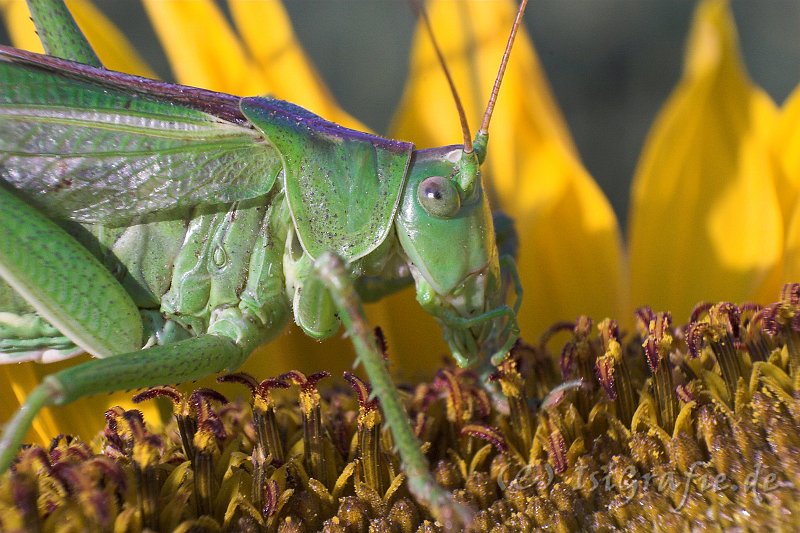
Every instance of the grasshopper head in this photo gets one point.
(444, 225)
(445, 228)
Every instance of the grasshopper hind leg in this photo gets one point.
(185, 360)
(69, 287)
(64, 282)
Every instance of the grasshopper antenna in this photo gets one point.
(483, 133)
(421, 12)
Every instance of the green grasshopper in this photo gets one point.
(169, 231)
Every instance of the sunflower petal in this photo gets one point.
(270, 40)
(202, 48)
(83, 417)
(705, 219)
(114, 50)
(791, 261)
(15, 384)
(786, 144)
(570, 251)
(18, 22)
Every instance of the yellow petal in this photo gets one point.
(83, 417)
(570, 252)
(202, 48)
(111, 46)
(791, 262)
(786, 144)
(270, 40)
(705, 221)
(15, 383)
(113, 49)
(18, 21)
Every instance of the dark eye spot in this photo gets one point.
(433, 192)
(439, 196)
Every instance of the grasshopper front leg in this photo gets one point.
(423, 486)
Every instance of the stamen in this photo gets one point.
(269, 443)
(578, 361)
(513, 387)
(613, 373)
(369, 436)
(313, 445)
(720, 329)
(489, 434)
(657, 347)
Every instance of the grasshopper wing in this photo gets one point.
(92, 145)
(343, 186)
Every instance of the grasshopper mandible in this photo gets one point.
(169, 231)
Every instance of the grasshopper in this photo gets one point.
(169, 231)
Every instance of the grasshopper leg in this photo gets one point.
(185, 360)
(73, 291)
(509, 265)
(64, 282)
(451, 513)
(59, 33)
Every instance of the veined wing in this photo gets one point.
(93, 145)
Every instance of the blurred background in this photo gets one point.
(611, 63)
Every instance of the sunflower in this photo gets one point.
(713, 214)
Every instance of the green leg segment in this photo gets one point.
(509, 265)
(64, 282)
(59, 33)
(423, 486)
(182, 361)
(68, 286)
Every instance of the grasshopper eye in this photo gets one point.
(439, 197)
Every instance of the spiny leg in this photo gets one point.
(186, 360)
(511, 331)
(69, 286)
(64, 282)
(420, 481)
(59, 33)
